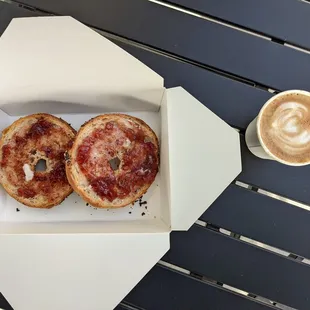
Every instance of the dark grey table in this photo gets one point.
(250, 249)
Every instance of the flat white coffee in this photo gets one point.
(284, 128)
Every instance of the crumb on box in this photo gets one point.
(139, 199)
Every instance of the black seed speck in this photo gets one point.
(129, 212)
(87, 204)
(67, 157)
(143, 214)
(145, 207)
(17, 210)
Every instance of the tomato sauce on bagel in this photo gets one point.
(39, 138)
(131, 145)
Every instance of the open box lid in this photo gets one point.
(60, 59)
(196, 133)
(94, 71)
(71, 266)
(75, 271)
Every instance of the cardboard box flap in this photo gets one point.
(84, 271)
(59, 59)
(204, 157)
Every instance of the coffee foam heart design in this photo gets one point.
(284, 127)
(290, 127)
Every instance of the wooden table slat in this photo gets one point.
(286, 20)
(194, 38)
(288, 181)
(262, 218)
(165, 289)
(219, 93)
(7, 12)
(247, 267)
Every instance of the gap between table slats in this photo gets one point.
(241, 265)
(262, 218)
(275, 65)
(283, 20)
(166, 288)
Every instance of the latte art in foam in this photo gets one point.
(288, 127)
(285, 128)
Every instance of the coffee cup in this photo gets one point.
(281, 131)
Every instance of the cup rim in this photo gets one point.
(269, 101)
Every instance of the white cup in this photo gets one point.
(253, 138)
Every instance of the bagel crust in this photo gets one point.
(23, 144)
(113, 161)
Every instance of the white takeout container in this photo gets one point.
(75, 256)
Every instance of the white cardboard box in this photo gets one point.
(75, 256)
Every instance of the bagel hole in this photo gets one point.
(41, 165)
(114, 163)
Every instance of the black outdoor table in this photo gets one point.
(250, 249)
